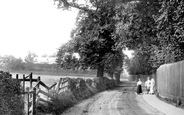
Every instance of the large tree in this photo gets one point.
(93, 36)
(136, 28)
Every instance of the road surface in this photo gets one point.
(120, 101)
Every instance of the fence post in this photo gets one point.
(26, 105)
(38, 80)
(17, 76)
(31, 80)
(23, 82)
(58, 85)
(34, 102)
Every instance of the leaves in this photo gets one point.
(11, 102)
(153, 28)
(170, 30)
(93, 36)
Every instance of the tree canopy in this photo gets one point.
(92, 38)
(152, 28)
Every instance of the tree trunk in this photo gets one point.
(111, 74)
(119, 67)
(100, 70)
(117, 77)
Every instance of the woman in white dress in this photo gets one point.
(148, 84)
(152, 86)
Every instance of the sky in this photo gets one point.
(33, 25)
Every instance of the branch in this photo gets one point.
(67, 4)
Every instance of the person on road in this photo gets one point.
(152, 86)
(148, 85)
(139, 86)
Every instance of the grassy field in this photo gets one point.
(50, 77)
(54, 72)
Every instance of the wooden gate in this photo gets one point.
(32, 94)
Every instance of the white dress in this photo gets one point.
(148, 84)
(152, 86)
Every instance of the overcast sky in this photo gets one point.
(33, 25)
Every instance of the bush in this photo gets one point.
(80, 89)
(58, 103)
(11, 102)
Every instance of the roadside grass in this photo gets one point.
(79, 90)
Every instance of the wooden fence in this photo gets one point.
(32, 94)
(170, 80)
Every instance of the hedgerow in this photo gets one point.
(11, 102)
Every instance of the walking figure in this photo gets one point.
(139, 86)
(148, 85)
(152, 86)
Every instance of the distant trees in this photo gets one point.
(12, 63)
(30, 59)
(139, 63)
(9, 62)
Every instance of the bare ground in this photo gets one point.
(120, 101)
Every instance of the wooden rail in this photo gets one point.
(63, 85)
(32, 94)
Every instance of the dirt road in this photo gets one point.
(120, 101)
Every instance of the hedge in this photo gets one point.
(11, 102)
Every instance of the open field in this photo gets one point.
(51, 79)
(54, 72)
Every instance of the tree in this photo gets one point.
(92, 38)
(136, 30)
(170, 29)
(30, 60)
(140, 63)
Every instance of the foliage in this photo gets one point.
(104, 27)
(140, 63)
(12, 63)
(11, 102)
(92, 38)
(66, 58)
(170, 28)
(136, 29)
(30, 60)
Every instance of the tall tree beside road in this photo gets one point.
(136, 28)
(92, 38)
(105, 27)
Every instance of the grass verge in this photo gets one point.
(79, 89)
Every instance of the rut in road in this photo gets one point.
(119, 101)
